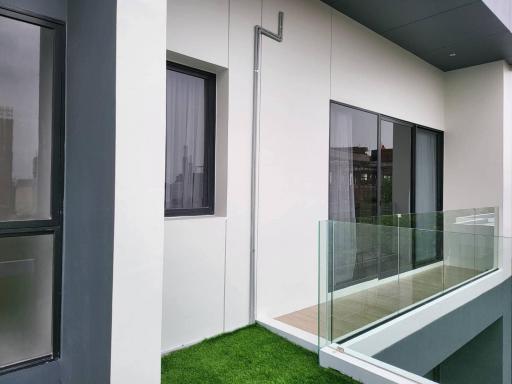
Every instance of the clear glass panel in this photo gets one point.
(362, 302)
(470, 248)
(354, 254)
(26, 100)
(415, 264)
(324, 299)
(26, 286)
(186, 173)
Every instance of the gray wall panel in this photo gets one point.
(55, 9)
(425, 349)
(89, 193)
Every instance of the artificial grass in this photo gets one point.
(249, 355)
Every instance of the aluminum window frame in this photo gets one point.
(414, 127)
(209, 141)
(412, 187)
(53, 225)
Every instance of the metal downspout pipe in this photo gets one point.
(258, 32)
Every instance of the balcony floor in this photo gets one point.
(355, 310)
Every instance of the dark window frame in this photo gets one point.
(53, 225)
(439, 170)
(209, 144)
(412, 187)
(439, 190)
(414, 127)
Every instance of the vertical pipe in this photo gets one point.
(254, 173)
(258, 32)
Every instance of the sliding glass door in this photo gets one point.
(381, 166)
(395, 187)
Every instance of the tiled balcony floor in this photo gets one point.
(356, 310)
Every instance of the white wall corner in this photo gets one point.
(474, 125)
(139, 191)
(199, 29)
(506, 214)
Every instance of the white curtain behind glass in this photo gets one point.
(26, 107)
(426, 171)
(341, 199)
(426, 195)
(185, 173)
(341, 195)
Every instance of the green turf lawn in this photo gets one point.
(249, 355)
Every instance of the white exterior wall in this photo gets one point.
(473, 140)
(324, 56)
(199, 266)
(244, 15)
(294, 145)
(139, 192)
(373, 73)
(199, 29)
(225, 236)
(506, 209)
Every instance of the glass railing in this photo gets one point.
(374, 269)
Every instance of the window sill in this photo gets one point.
(196, 217)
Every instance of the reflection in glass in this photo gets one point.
(186, 173)
(395, 168)
(426, 196)
(426, 171)
(472, 250)
(26, 282)
(352, 163)
(26, 80)
(395, 165)
(353, 160)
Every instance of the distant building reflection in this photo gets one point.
(17, 196)
(187, 189)
(362, 163)
(6, 155)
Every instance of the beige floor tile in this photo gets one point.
(359, 309)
